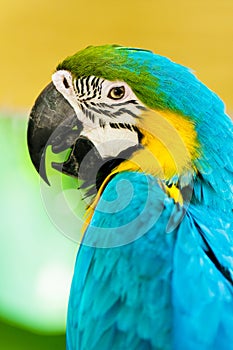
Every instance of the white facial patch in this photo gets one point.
(110, 142)
(98, 106)
(63, 81)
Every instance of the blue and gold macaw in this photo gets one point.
(153, 148)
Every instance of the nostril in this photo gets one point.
(65, 82)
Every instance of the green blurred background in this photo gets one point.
(36, 257)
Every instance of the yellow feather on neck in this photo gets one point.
(169, 146)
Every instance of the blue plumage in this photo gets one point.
(121, 302)
(202, 282)
(161, 291)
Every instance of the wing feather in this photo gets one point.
(139, 286)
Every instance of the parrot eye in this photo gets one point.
(117, 93)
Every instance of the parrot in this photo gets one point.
(152, 148)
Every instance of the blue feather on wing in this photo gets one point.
(160, 291)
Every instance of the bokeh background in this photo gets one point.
(36, 258)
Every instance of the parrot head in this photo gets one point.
(120, 109)
(90, 108)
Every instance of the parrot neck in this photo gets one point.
(170, 146)
(168, 152)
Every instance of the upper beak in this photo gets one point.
(52, 122)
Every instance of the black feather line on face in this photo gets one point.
(130, 127)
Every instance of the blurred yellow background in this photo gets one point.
(37, 34)
(36, 261)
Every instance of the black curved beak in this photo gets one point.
(52, 122)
